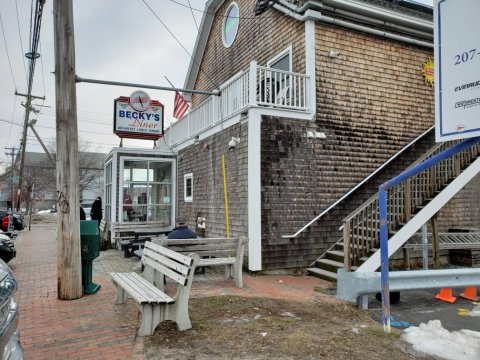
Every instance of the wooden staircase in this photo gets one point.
(361, 228)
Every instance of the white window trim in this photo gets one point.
(277, 57)
(185, 178)
(224, 22)
(119, 177)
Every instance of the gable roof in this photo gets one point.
(405, 14)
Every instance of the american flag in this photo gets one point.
(180, 107)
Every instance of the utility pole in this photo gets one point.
(69, 274)
(23, 144)
(31, 123)
(12, 153)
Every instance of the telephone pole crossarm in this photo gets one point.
(31, 96)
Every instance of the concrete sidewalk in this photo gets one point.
(93, 327)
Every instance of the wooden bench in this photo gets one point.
(103, 225)
(213, 252)
(147, 289)
(446, 241)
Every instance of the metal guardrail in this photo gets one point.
(351, 286)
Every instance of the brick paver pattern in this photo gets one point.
(93, 327)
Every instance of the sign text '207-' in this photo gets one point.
(465, 56)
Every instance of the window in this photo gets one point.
(146, 193)
(281, 79)
(282, 61)
(108, 191)
(230, 25)
(188, 187)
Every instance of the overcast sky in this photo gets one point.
(114, 40)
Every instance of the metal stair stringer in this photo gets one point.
(397, 240)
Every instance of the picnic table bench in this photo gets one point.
(213, 252)
(147, 289)
(125, 234)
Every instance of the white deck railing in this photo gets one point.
(256, 86)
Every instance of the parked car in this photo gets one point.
(6, 222)
(7, 248)
(18, 223)
(10, 221)
(10, 346)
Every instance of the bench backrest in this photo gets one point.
(159, 261)
(135, 225)
(206, 247)
(103, 225)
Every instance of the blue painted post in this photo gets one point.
(382, 204)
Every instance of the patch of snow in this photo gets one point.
(256, 317)
(288, 313)
(475, 311)
(355, 330)
(433, 339)
(43, 212)
(263, 334)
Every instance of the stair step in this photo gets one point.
(323, 274)
(330, 265)
(335, 255)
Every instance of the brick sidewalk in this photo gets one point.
(93, 327)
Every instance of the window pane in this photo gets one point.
(160, 172)
(189, 187)
(135, 171)
(161, 214)
(282, 63)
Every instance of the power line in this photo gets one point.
(43, 72)
(32, 55)
(257, 18)
(193, 15)
(179, 43)
(21, 42)
(84, 119)
(8, 56)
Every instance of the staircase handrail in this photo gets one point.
(361, 228)
(326, 211)
(375, 196)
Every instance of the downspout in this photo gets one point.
(317, 16)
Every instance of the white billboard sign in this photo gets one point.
(457, 69)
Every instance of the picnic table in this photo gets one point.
(141, 234)
(151, 232)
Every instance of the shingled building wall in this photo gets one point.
(371, 101)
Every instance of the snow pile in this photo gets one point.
(433, 339)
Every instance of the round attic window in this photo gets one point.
(230, 25)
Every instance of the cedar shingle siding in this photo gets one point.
(371, 101)
(258, 38)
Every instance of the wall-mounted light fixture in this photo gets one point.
(197, 140)
(232, 143)
(333, 54)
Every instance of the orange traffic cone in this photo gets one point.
(470, 293)
(445, 294)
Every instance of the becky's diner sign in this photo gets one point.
(138, 117)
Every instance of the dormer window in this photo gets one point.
(230, 25)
